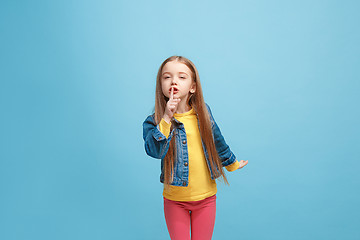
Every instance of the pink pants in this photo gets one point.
(199, 214)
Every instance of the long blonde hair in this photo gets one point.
(196, 100)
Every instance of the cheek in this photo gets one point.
(163, 88)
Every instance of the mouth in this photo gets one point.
(175, 90)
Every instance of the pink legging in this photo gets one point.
(199, 214)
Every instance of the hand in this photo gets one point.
(171, 106)
(242, 163)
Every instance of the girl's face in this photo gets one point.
(178, 76)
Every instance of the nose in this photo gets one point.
(173, 82)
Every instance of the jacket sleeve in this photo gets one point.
(226, 155)
(156, 143)
(232, 167)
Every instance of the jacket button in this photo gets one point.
(184, 183)
(184, 141)
(185, 163)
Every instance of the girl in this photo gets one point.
(184, 135)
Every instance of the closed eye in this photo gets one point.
(169, 77)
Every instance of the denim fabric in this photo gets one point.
(157, 145)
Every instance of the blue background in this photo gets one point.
(78, 80)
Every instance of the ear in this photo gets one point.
(193, 88)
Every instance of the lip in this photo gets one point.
(175, 89)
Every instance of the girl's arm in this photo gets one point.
(226, 155)
(156, 143)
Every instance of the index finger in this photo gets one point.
(172, 93)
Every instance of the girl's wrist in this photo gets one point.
(166, 118)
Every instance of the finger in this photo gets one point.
(174, 101)
(172, 94)
(244, 163)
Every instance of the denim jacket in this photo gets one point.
(157, 145)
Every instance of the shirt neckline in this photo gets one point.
(191, 111)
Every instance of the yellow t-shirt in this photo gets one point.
(200, 184)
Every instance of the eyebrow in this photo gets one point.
(179, 72)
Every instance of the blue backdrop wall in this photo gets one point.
(78, 80)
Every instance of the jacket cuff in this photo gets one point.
(230, 160)
(232, 167)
